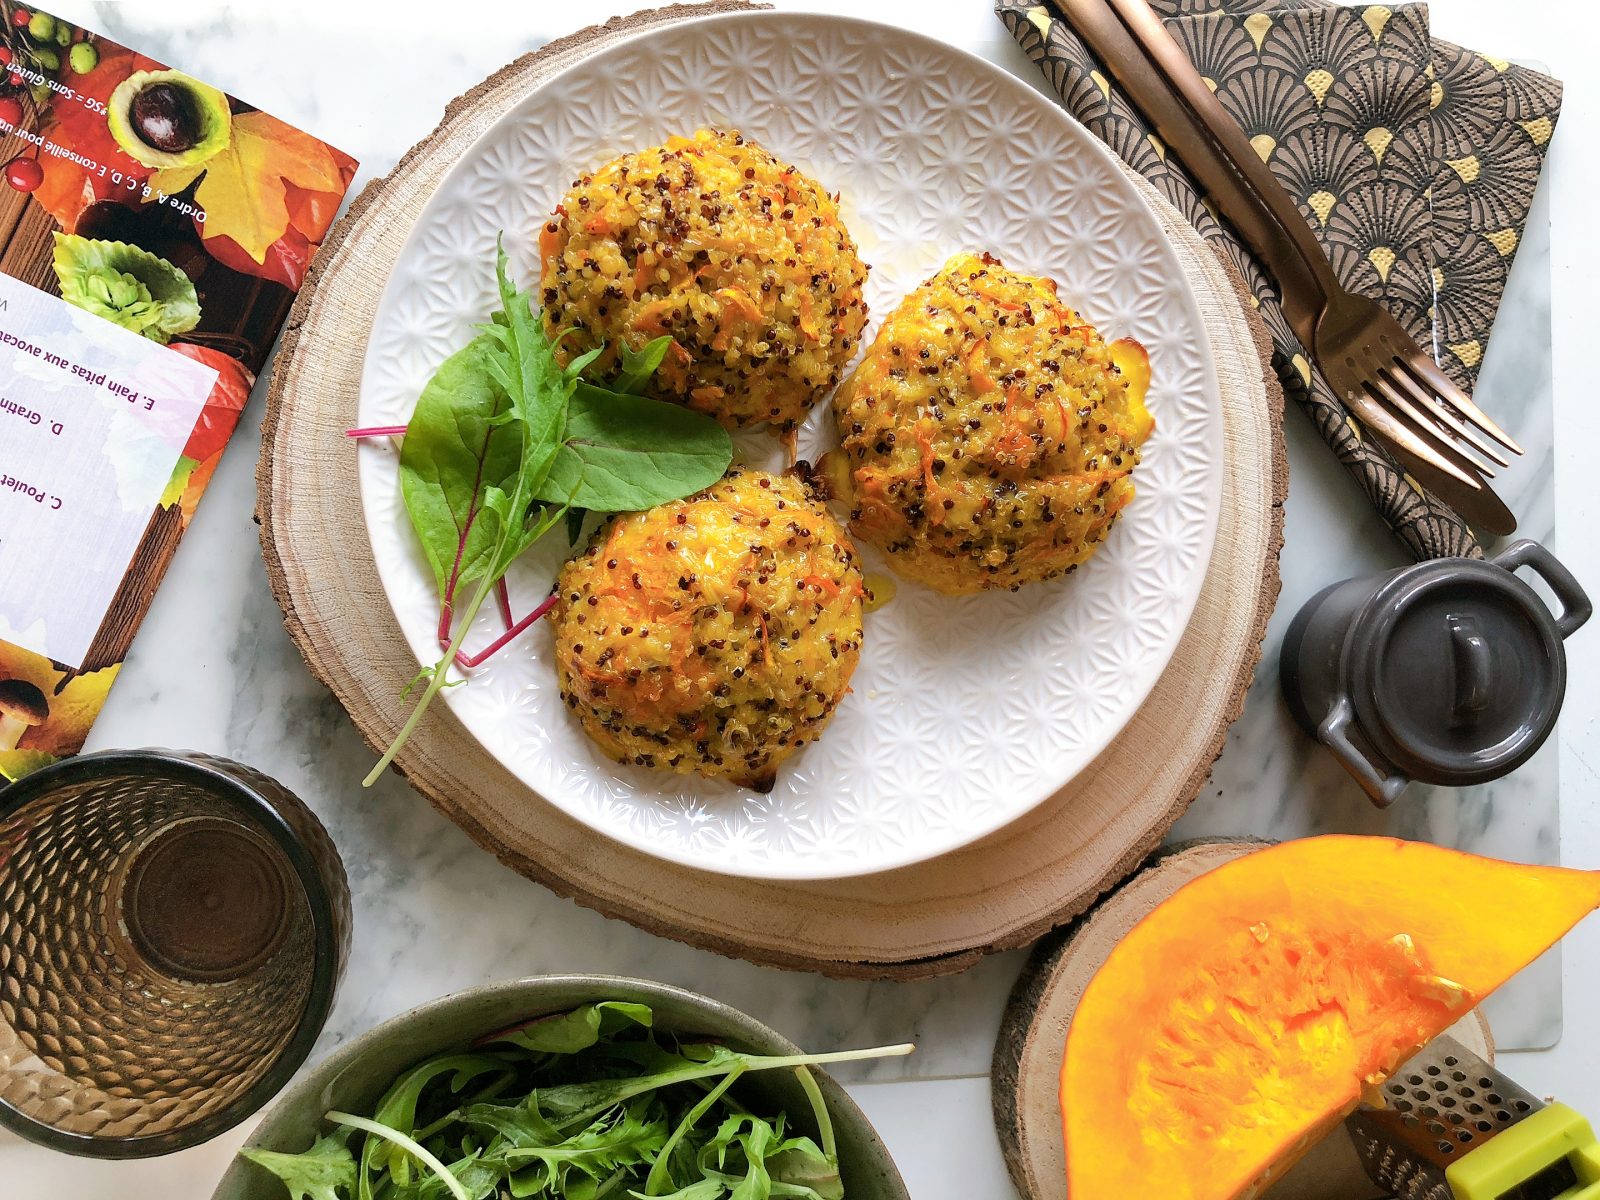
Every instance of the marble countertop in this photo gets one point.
(213, 669)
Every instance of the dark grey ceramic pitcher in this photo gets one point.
(1450, 671)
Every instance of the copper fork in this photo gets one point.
(1368, 359)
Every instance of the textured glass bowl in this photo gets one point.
(172, 929)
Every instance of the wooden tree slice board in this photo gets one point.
(1027, 1056)
(922, 921)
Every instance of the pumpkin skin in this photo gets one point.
(1243, 1018)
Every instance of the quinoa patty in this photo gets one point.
(989, 434)
(713, 635)
(735, 254)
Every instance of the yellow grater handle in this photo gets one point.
(1533, 1146)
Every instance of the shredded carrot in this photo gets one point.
(997, 301)
(643, 275)
(737, 306)
(549, 241)
(740, 300)
(808, 317)
(707, 395)
(979, 375)
(822, 583)
(649, 319)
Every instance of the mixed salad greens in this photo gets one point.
(582, 1105)
(506, 442)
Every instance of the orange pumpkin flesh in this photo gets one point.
(1243, 1018)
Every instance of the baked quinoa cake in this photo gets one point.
(735, 254)
(713, 635)
(989, 434)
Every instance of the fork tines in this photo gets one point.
(1438, 409)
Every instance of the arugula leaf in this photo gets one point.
(520, 1126)
(327, 1171)
(628, 1137)
(659, 1173)
(627, 453)
(398, 1108)
(701, 1189)
(477, 1174)
(538, 388)
(603, 1109)
(639, 365)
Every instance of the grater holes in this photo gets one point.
(1402, 1106)
(1416, 1081)
(1459, 1076)
(1411, 1121)
(1435, 1127)
(1522, 1106)
(1447, 1101)
(1440, 1085)
(1474, 1107)
(1502, 1115)
(1432, 1069)
(1483, 1126)
(1492, 1098)
(1397, 1089)
(1445, 1147)
(1486, 1083)
(1450, 1060)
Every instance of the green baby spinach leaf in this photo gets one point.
(626, 453)
(568, 1033)
(454, 450)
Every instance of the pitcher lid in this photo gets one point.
(1457, 671)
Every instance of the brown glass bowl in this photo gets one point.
(172, 930)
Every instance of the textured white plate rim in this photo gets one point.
(776, 865)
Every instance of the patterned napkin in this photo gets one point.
(1414, 160)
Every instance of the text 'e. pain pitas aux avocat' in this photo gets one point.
(1243, 1018)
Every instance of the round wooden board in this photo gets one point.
(925, 920)
(1027, 1056)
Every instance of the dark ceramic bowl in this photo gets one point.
(172, 930)
(355, 1078)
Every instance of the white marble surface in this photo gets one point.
(213, 669)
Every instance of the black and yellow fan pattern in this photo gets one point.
(1413, 159)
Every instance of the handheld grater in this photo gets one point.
(1451, 1127)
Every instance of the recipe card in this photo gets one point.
(153, 234)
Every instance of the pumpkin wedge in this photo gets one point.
(1243, 1018)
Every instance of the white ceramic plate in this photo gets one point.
(967, 712)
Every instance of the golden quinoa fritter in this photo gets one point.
(989, 433)
(734, 253)
(713, 635)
